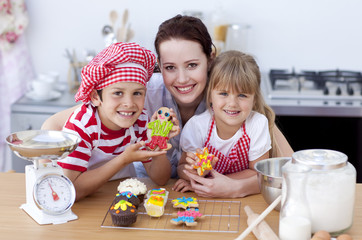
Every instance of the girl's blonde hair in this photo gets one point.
(239, 72)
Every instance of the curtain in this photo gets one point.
(15, 67)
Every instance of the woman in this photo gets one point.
(184, 50)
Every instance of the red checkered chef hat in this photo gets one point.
(120, 62)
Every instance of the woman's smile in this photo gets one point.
(185, 89)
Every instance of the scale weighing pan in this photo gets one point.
(42, 144)
(49, 194)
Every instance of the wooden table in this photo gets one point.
(16, 224)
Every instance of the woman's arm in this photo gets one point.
(282, 147)
(57, 121)
(159, 169)
(183, 165)
(183, 183)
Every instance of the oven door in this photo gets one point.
(342, 134)
(322, 122)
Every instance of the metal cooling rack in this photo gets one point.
(220, 216)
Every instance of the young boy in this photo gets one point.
(112, 122)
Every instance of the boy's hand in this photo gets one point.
(133, 153)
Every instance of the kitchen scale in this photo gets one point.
(49, 194)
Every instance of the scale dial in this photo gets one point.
(54, 194)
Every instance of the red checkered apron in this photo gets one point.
(238, 158)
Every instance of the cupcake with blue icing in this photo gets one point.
(128, 196)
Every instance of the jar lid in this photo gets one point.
(320, 159)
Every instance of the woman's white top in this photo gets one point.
(158, 96)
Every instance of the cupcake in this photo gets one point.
(158, 192)
(128, 196)
(155, 206)
(156, 201)
(123, 213)
(133, 185)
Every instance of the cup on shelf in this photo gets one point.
(54, 76)
(42, 88)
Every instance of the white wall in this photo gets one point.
(305, 34)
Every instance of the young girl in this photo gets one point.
(236, 126)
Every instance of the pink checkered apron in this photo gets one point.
(237, 160)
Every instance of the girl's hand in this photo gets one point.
(182, 185)
(133, 153)
(191, 159)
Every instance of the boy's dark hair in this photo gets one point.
(99, 92)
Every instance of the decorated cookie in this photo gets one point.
(188, 217)
(185, 203)
(161, 127)
(204, 163)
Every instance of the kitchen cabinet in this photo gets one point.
(28, 114)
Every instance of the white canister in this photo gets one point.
(330, 189)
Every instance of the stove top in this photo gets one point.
(336, 84)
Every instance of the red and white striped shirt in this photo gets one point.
(98, 140)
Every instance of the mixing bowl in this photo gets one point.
(270, 178)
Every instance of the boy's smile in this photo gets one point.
(121, 104)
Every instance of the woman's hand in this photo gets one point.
(182, 185)
(217, 185)
(176, 125)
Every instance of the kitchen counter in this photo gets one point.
(313, 108)
(16, 224)
(25, 104)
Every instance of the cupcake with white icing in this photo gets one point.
(133, 185)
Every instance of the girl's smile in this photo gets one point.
(231, 109)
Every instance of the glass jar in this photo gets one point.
(294, 218)
(330, 189)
